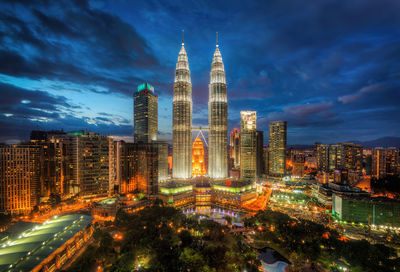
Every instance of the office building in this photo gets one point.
(353, 157)
(259, 153)
(162, 149)
(88, 164)
(137, 168)
(234, 147)
(321, 152)
(385, 161)
(248, 145)
(277, 148)
(145, 116)
(217, 120)
(20, 178)
(366, 210)
(182, 119)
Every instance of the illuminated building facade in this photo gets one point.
(259, 153)
(182, 119)
(88, 163)
(335, 157)
(277, 148)
(366, 210)
(145, 115)
(198, 163)
(162, 149)
(322, 156)
(217, 120)
(137, 168)
(385, 162)
(234, 147)
(203, 196)
(248, 145)
(20, 178)
(352, 155)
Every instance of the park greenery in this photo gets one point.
(306, 243)
(161, 238)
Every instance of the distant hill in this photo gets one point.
(381, 142)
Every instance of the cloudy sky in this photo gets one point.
(330, 68)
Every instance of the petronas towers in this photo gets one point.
(217, 119)
(182, 119)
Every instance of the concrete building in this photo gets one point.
(259, 154)
(47, 246)
(277, 148)
(20, 178)
(234, 147)
(321, 152)
(137, 169)
(385, 161)
(162, 149)
(217, 119)
(379, 211)
(145, 117)
(182, 119)
(88, 164)
(248, 145)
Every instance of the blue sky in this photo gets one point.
(330, 68)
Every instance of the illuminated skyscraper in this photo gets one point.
(20, 178)
(277, 148)
(217, 119)
(145, 116)
(385, 162)
(259, 153)
(182, 119)
(234, 147)
(248, 145)
(198, 163)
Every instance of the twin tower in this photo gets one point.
(217, 119)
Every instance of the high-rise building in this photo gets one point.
(266, 160)
(259, 153)
(146, 168)
(217, 120)
(248, 145)
(321, 152)
(182, 119)
(162, 147)
(137, 168)
(385, 162)
(198, 162)
(336, 157)
(234, 147)
(145, 115)
(352, 157)
(88, 163)
(277, 148)
(20, 178)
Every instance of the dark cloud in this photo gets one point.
(330, 68)
(73, 43)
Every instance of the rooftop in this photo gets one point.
(32, 246)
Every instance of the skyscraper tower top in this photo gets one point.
(182, 73)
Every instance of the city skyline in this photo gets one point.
(334, 78)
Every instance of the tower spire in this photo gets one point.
(183, 36)
(217, 38)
